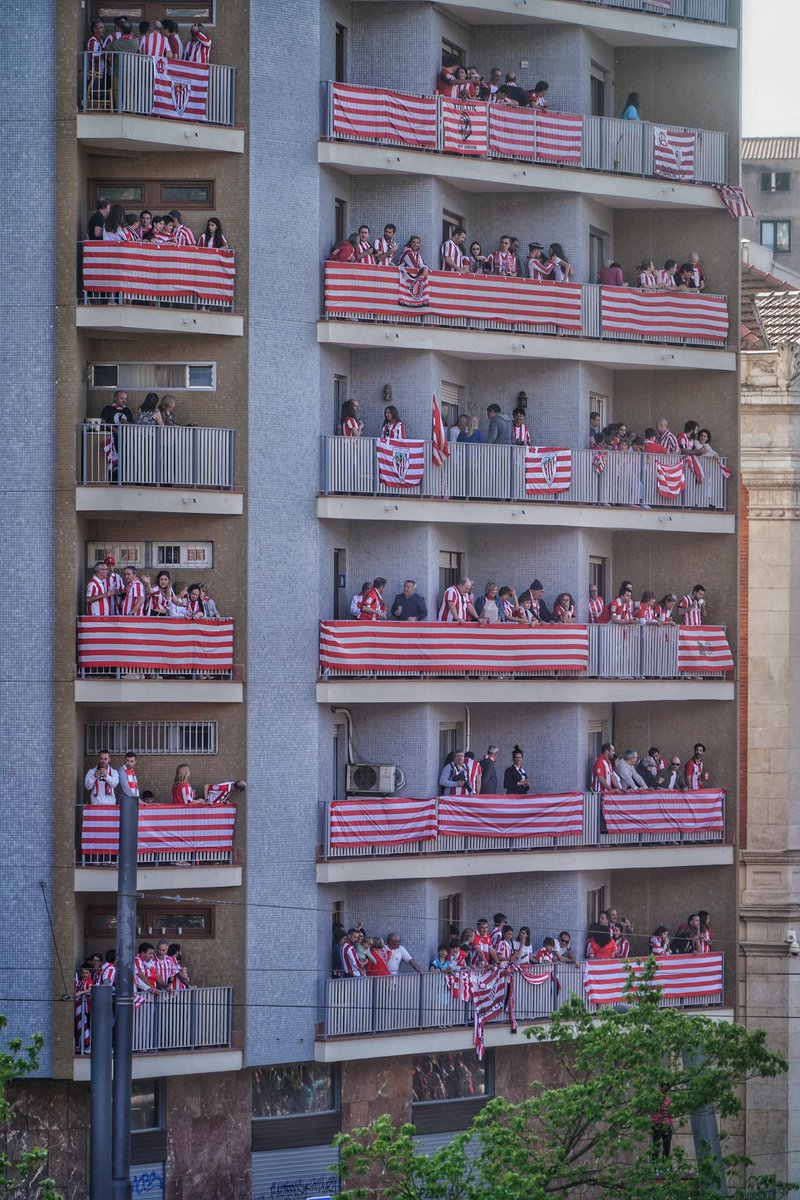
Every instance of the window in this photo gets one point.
(153, 377)
(147, 1105)
(341, 604)
(449, 569)
(595, 904)
(296, 1090)
(185, 12)
(599, 403)
(126, 556)
(597, 574)
(156, 194)
(449, 399)
(451, 738)
(450, 48)
(190, 195)
(193, 556)
(597, 252)
(596, 740)
(598, 91)
(777, 236)
(340, 218)
(776, 181)
(449, 916)
(341, 58)
(449, 222)
(154, 921)
(336, 913)
(457, 1076)
(150, 737)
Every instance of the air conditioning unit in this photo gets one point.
(379, 779)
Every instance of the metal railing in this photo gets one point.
(395, 1003)
(607, 144)
(127, 283)
(191, 1019)
(154, 455)
(715, 12)
(592, 835)
(186, 857)
(154, 648)
(476, 471)
(112, 82)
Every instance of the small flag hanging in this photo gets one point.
(441, 448)
(671, 479)
(735, 201)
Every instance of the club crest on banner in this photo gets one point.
(180, 96)
(549, 467)
(465, 125)
(400, 461)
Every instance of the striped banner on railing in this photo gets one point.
(664, 812)
(510, 816)
(657, 315)
(559, 137)
(370, 114)
(438, 648)
(465, 127)
(673, 153)
(158, 271)
(180, 89)
(155, 644)
(679, 976)
(704, 648)
(380, 821)
(162, 827)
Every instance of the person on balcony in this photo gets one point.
(344, 249)
(384, 248)
(632, 107)
(408, 605)
(483, 952)
(666, 276)
(210, 610)
(495, 80)
(648, 277)
(622, 944)
(563, 949)
(611, 276)
(537, 267)
(659, 941)
(597, 606)
(515, 777)
(95, 49)
(358, 600)
(648, 769)
(665, 609)
(115, 224)
(144, 971)
(180, 981)
(671, 778)
(364, 251)
(460, 776)
(600, 943)
(182, 791)
(128, 783)
(478, 261)
(351, 425)
(134, 596)
(562, 268)
(564, 609)
(687, 440)
(697, 777)
(167, 409)
(646, 608)
(100, 599)
(501, 430)
(537, 97)
(161, 599)
(116, 584)
(181, 234)
(97, 220)
(413, 275)
(149, 412)
(172, 34)
(165, 967)
(472, 432)
(503, 261)
(453, 256)
(629, 778)
(397, 955)
(108, 971)
(223, 793)
(540, 610)
(446, 79)
(456, 607)
(604, 777)
(102, 781)
(523, 613)
(488, 766)
(692, 607)
(620, 610)
(153, 41)
(488, 607)
(393, 428)
(698, 275)
(520, 434)
(198, 48)
(124, 40)
(212, 236)
(373, 606)
(376, 963)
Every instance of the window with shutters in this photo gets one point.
(452, 50)
(150, 737)
(194, 556)
(449, 399)
(130, 554)
(153, 377)
(449, 569)
(600, 404)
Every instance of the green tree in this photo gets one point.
(590, 1136)
(22, 1177)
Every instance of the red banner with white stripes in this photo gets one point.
(657, 315)
(359, 289)
(559, 137)
(441, 649)
(681, 976)
(703, 648)
(466, 127)
(673, 153)
(150, 270)
(512, 131)
(664, 812)
(511, 817)
(401, 463)
(381, 822)
(180, 89)
(155, 644)
(670, 479)
(548, 470)
(162, 827)
(369, 114)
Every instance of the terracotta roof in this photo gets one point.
(756, 149)
(770, 310)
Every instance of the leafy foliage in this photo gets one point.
(22, 1177)
(592, 1135)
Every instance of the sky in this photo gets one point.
(770, 43)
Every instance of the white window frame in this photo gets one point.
(188, 387)
(97, 551)
(185, 564)
(148, 738)
(147, 555)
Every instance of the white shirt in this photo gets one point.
(452, 433)
(395, 958)
(104, 794)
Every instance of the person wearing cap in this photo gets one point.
(538, 607)
(537, 267)
(181, 234)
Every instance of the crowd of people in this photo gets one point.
(630, 773)
(107, 785)
(157, 970)
(689, 276)
(155, 39)
(111, 594)
(693, 442)
(152, 411)
(466, 83)
(111, 223)
(358, 955)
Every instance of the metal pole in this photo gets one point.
(100, 1093)
(123, 1027)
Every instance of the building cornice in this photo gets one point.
(766, 950)
(783, 857)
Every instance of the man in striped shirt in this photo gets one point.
(152, 41)
(133, 603)
(385, 248)
(666, 437)
(692, 606)
(181, 234)
(350, 964)
(373, 606)
(99, 597)
(455, 607)
(695, 772)
(165, 968)
(453, 256)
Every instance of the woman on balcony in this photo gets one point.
(413, 275)
(161, 600)
(646, 609)
(149, 413)
(665, 608)
(478, 260)
(212, 236)
(648, 276)
(515, 779)
(562, 268)
(537, 267)
(393, 428)
(351, 425)
(182, 790)
(520, 435)
(631, 110)
(115, 225)
(564, 609)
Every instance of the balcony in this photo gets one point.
(171, 468)
(143, 287)
(601, 488)
(634, 164)
(177, 846)
(156, 660)
(377, 838)
(126, 103)
(425, 1005)
(393, 662)
(486, 316)
(167, 1026)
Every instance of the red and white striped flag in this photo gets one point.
(401, 463)
(370, 114)
(670, 479)
(381, 822)
(488, 1001)
(440, 450)
(161, 272)
(656, 315)
(559, 137)
(466, 127)
(511, 131)
(735, 201)
(509, 817)
(162, 827)
(681, 976)
(703, 648)
(180, 89)
(547, 470)
(147, 644)
(664, 812)
(697, 466)
(599, 460)
(725, 471)
(673, 153)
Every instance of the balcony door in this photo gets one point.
(450, 569)
(449, 398)
(595, 742)
(341, 605)
(598, 574)
(449, 916)
(598, 91)
(598, 250)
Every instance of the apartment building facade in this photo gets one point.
(771, 176)
(256, 494)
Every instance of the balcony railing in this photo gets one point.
(369, 827)
(608, 144)
(149, 273)
(169, 835)
(160, 647)
(392, 1004)
(437, 650)
(361, 292)
(192, 1019)
(125, 83)
(476, 471)
(156, 455)
(714, 12)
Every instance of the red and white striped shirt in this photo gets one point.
(596, 607)
(538, 270)
(133, 592)
(95, 48)
(648, 279)
(452, 250)
(198, 50)
(519, 434)
(393, 431)
(503, 262)
(350, 427)
(146, 969)
(158, 604)
(108, 974)
(154, 44)
(382, 246)
(603, 774)
(665, 279)
(504, 949)
(182, 793)
(646, 612)
(473, 769)
(219, 793)
(669, 442)
(98, 603)
(623, 948)
(621, 609)
(161, 238)
(165, 969)
(350, 961)
(692, 611)
(183, 236)
(560, 613)
(372, 606)
(663, 614)
(685, 442)
(453, 596)
(364, 253)
(696, 775)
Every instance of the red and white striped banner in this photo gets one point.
(547, 470)
(180, 89)
(664, 812)
(488, 1000)
(673, 153)
(372, 290)
(381, 822)
(369, 114)
(559, 137)
(401, 463)
(670, 479)
(681, 976)
(703, 648)
(466, 127)
(512, 131)
(437, 648)
(657, 315)
(735, 201)
(162, 827)
(155, 643)
(150, 270)
(511, 817)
